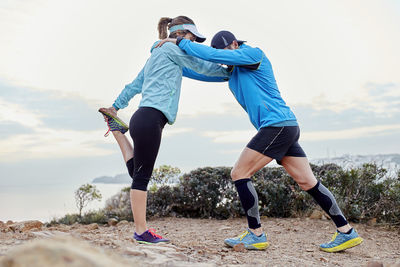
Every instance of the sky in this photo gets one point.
(337, 64)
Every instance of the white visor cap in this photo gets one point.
(189, 27)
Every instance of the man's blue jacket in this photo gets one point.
(252, 82)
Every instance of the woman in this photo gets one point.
(159, 83)
(253, 84)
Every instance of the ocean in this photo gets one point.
(45, 202)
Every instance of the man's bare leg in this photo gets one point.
(249, 162)
(299, 169)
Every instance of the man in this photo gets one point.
(253, 84)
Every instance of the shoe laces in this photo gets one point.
(242, 235)
(334, 236)
(109, 129)
(152, 232)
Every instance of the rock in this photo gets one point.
(3, 227)
(134, 252)
(61, 252)
(75, 225)
(47, 234)
(239, 247)
(63, 228)
(371, 222)
(224, 228)
(323, 259)
(123, 222)
(316, 214)
(26, 226)
(112, 222)
(224, 250)
(374, 264)
(9, 222)
(92, 226)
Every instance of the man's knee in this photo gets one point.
(306, 184)
(140, 183)
(236, 174)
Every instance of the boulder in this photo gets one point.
(112, 222)
(123, 222)
(60, 252)
(371, 222)
(92, 226)
(239, 247)
(25, 226)
(4, 227)
(374, 264)
(316, 214)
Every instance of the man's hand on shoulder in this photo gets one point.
(171, 40)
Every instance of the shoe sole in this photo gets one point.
(346, 245)
(150, 243)
(118, 120)
(256, 246)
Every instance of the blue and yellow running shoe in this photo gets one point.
(114, 123)
(341, 241)
(249, 240)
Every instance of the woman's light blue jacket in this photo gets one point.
(160, 80)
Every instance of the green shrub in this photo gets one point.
(119, 206)
(98, 216)
(362, 193)
(202, 193)
(67, 219)
(93, 216)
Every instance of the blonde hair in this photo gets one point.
(166, 23)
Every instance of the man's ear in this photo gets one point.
(235, 44)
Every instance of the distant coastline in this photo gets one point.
(389, 161)
(117, 179)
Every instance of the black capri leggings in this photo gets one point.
(145, 128)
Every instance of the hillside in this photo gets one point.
(195, 242)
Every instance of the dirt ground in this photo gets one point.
(293, 242)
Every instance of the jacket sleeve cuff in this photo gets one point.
(178, 40)
(116, 108)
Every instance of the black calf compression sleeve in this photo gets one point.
(327, 201)
(249, 199)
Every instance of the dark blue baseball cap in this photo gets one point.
(223, 39)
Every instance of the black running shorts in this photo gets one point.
(277, 142)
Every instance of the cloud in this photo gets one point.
(230, 136)
(374, 98)
(50, 144)
(354, 133)
(175, 131)
(11, 128)
(47, 124)
(47, 108)
(18, 114)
